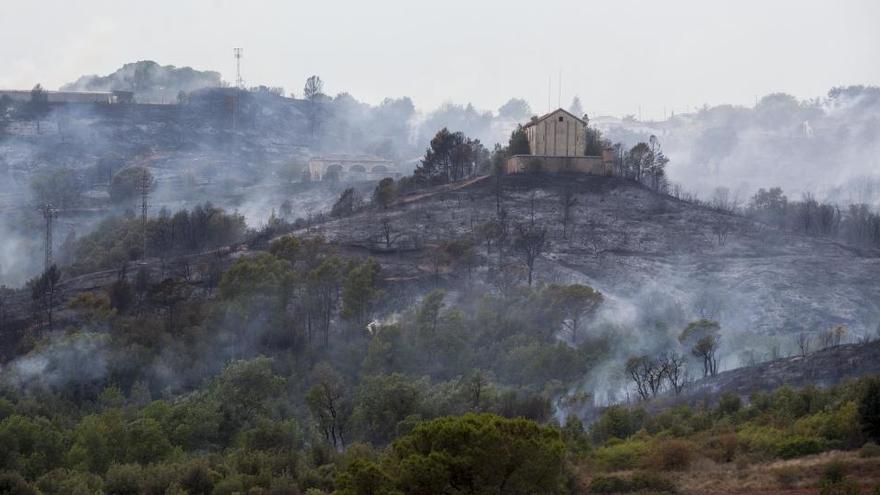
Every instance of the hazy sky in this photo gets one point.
(617, 55)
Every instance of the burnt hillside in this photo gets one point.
(657, 259)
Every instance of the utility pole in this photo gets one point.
(49, 213)
(237, 53)
(144, 186)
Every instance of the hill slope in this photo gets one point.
(658, 260)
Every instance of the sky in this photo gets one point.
(620, 57)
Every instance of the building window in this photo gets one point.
(560, 119)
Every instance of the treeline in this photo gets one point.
(856, 224)
(119, 240)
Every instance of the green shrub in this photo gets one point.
(621, 456)
(799, 447)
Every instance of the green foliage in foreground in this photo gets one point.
(785, 424)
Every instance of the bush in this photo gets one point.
(799, 447)
(619, 456)
(722, 448)
(671, 454)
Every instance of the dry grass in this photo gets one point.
(792, 477)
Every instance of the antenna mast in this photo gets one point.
(237, 53)
(49, 213)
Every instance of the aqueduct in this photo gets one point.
(351, 167)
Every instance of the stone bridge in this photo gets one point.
(352, 167)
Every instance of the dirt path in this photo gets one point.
(441, 189)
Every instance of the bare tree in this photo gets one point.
(636, 367)
(647, 374)
(567, 201)
(803, 341)
(387, 231)
(721, 227)
(530, 242)
(674, 368)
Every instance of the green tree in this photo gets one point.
(703, 337)
(384, 193)
(286, 248)
(518, 144)
(360, 292)
(869, 410)
(481, 454)
(61, 188)
(364, 477)
(573, 303)
(347, 203)
(383, 402)
(330, 405)
(244, 388)
(38, 106)
(263, 275)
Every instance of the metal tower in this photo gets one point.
(49, 213)
(238, 53)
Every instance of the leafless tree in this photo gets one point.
(530, 242)
(567, 201)
(636, 369)
(721, 227)
(647, 374)
(387, 231)
(674, 368)
(803, 341)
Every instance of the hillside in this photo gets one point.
(658, 260)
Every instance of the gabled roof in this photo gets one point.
(533, 122)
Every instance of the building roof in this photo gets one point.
(548, 114)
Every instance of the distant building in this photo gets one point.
(557, 143)
(108, 97)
